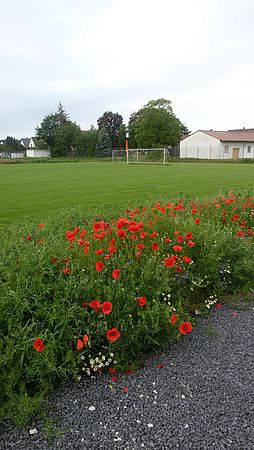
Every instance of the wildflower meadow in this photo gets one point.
(83, 296)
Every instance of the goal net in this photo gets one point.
(141, 156)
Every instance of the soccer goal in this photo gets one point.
(141, 156)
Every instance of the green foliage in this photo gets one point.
(67, 140)
(60, 134)
(11, 145)
(111, 124)
(155, 125)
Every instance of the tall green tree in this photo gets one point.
(62, 136)
(13, 145)
(155, 125)
(104, 145)
(66, 140)
(111, 123)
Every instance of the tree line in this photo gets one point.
(153, 126)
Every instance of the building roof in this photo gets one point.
(244, 135)
(25, 141)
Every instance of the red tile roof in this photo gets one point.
(231, 135)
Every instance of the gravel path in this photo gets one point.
(197, 395)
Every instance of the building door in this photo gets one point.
(236, 152)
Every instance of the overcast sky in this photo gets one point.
(116, 55)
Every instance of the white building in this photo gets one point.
(209, 144)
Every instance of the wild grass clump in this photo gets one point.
(86, 295)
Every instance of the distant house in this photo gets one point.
(209, 144)
(35, 148)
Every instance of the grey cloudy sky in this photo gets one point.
(116, 55)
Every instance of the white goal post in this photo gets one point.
(140, 156)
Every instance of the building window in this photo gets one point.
(249, 149)
(226, 149)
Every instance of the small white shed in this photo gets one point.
(209, 144)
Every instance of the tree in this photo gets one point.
(13, 145)
(63, 116)
(66, 140)
(46, 131)
(51, 122)
(104, 145)
(155, 125)
(111, 123)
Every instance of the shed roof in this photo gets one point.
(232, 135)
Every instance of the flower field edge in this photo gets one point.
(85, 295)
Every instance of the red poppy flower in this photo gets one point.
(173, 319)
(99, 252)
(169, 262)
(179, 269)
(106, 307)
(141, 246)
(99, 265)
(143, 234)
(116, 274)
(53, 260)
(67, 271)
(38, 345)
(112, 249)
(218, 305)
(168, 240)
(121, 234)
(125, 389)
(240, 233)
(177, 248)
(111, 370)
(134, 237)
(155, 246)
(113, 334)
(197, 221)
(95, 304)
(82, 234)
(41, 225)
(141, 301)
(28, 237)
(187, 259)
(114, 378)
(130, 372)
(153, 235)
(80, 345)
(188, 236)
(191, 244)
(133, 228)
(179, 239)
(160, 366)
(85, 339)
(185, 327)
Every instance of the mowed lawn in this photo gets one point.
(38, 189)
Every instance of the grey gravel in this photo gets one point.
(203, 397)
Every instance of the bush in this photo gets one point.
(84, 295)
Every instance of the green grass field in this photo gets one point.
(34, 190)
